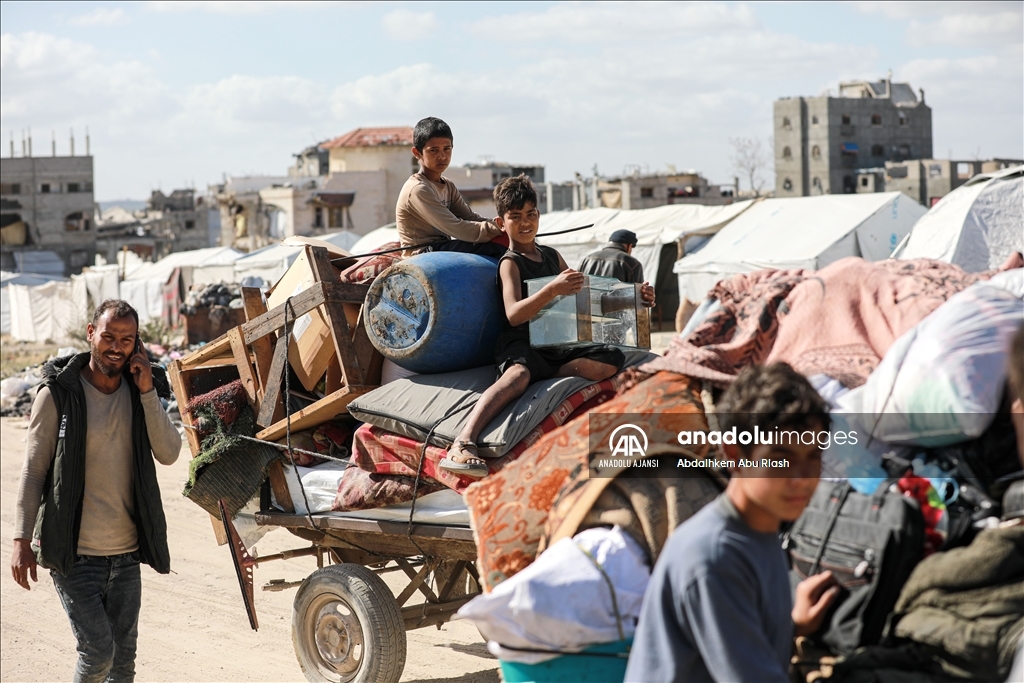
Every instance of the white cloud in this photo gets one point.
(403, 24)
(235, 7)
(915, 9)
(101, 16)
(969, 30)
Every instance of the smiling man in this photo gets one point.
(431, 214)
(718, 606)
(89, 505)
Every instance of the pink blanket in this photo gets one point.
(838, 321)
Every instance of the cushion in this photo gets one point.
(411, 406)
(382, 452)
(368, 268)
(361, 490)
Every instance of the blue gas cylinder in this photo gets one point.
(436, 312)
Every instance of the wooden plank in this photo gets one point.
(174, 372)
(262, 348)
(385, 546)
(279, 485)
(272, 397)
(336, 319)
(244, 363)
(427, 614)
(220, 346)
(370, 359)
(302, 303)
(330, 406)
(272, 320)
(342, 521)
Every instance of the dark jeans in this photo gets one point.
(102, 596)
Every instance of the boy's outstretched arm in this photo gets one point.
(519, 310)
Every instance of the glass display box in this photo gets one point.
(605, 311)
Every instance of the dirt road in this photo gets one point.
(193, 625)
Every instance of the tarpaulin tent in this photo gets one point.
(654, 228)
(802, 232)
(45, 311)
(95, 285)
(375, 238)
(976, 226)
(143, 288)
(271, 262)
(25, 279)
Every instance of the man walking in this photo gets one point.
(89, 505)
(614, 260)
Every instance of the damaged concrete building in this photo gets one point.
(175, 222)
(46, 212)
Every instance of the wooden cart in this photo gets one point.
(347, 625)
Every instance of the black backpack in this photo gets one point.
(870, 544)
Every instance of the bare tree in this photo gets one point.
(750, 160)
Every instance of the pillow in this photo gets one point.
(411, 406)
(361, 490)
(368, 268)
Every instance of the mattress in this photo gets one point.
(320, 484)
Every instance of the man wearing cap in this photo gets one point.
(614, 259)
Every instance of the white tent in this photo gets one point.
(653, 227)
(25, 279)
(375, 238)
(143, 287)
(45, 311)
(803, 232)
(271, 262)
(976, 226)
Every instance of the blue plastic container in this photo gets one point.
(605, 663)
(436, 312)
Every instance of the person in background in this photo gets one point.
(89, 505)
(718, 606)
(615, 259)
(519, 364)
(431, 214)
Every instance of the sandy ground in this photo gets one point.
(193, 625)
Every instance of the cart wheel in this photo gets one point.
(346, 627)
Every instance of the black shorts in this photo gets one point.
(545, 362)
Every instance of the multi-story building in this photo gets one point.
(822, 142)
(46, 213)
(476, 183)
(926, 180)
(169, 223)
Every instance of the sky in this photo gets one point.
(180, 94)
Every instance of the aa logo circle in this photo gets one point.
(628, 441)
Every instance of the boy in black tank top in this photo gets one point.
(518, 363)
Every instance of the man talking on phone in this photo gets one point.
(89, 505)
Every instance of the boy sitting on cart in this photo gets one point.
(519, 364)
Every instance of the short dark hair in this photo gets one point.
(430, 127)
(118, 308)
(1016, 366)
(514, 193)
(771, 397)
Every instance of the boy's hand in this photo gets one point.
(814, 595)
(647, 294)
(142, 371)
(567, 282)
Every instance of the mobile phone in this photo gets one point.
(138, 344)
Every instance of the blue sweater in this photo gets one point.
(717, 607)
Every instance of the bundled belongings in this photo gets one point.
(769, 316)
(547, 494)
(583, 591)
(960, 616)
(869, 543)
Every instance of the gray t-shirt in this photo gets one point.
(717, 607)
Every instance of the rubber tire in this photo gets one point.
(374, 606)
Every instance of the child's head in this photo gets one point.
(432, 143)
(516, 201)
(779, 401)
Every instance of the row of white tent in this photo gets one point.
(977, 226)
